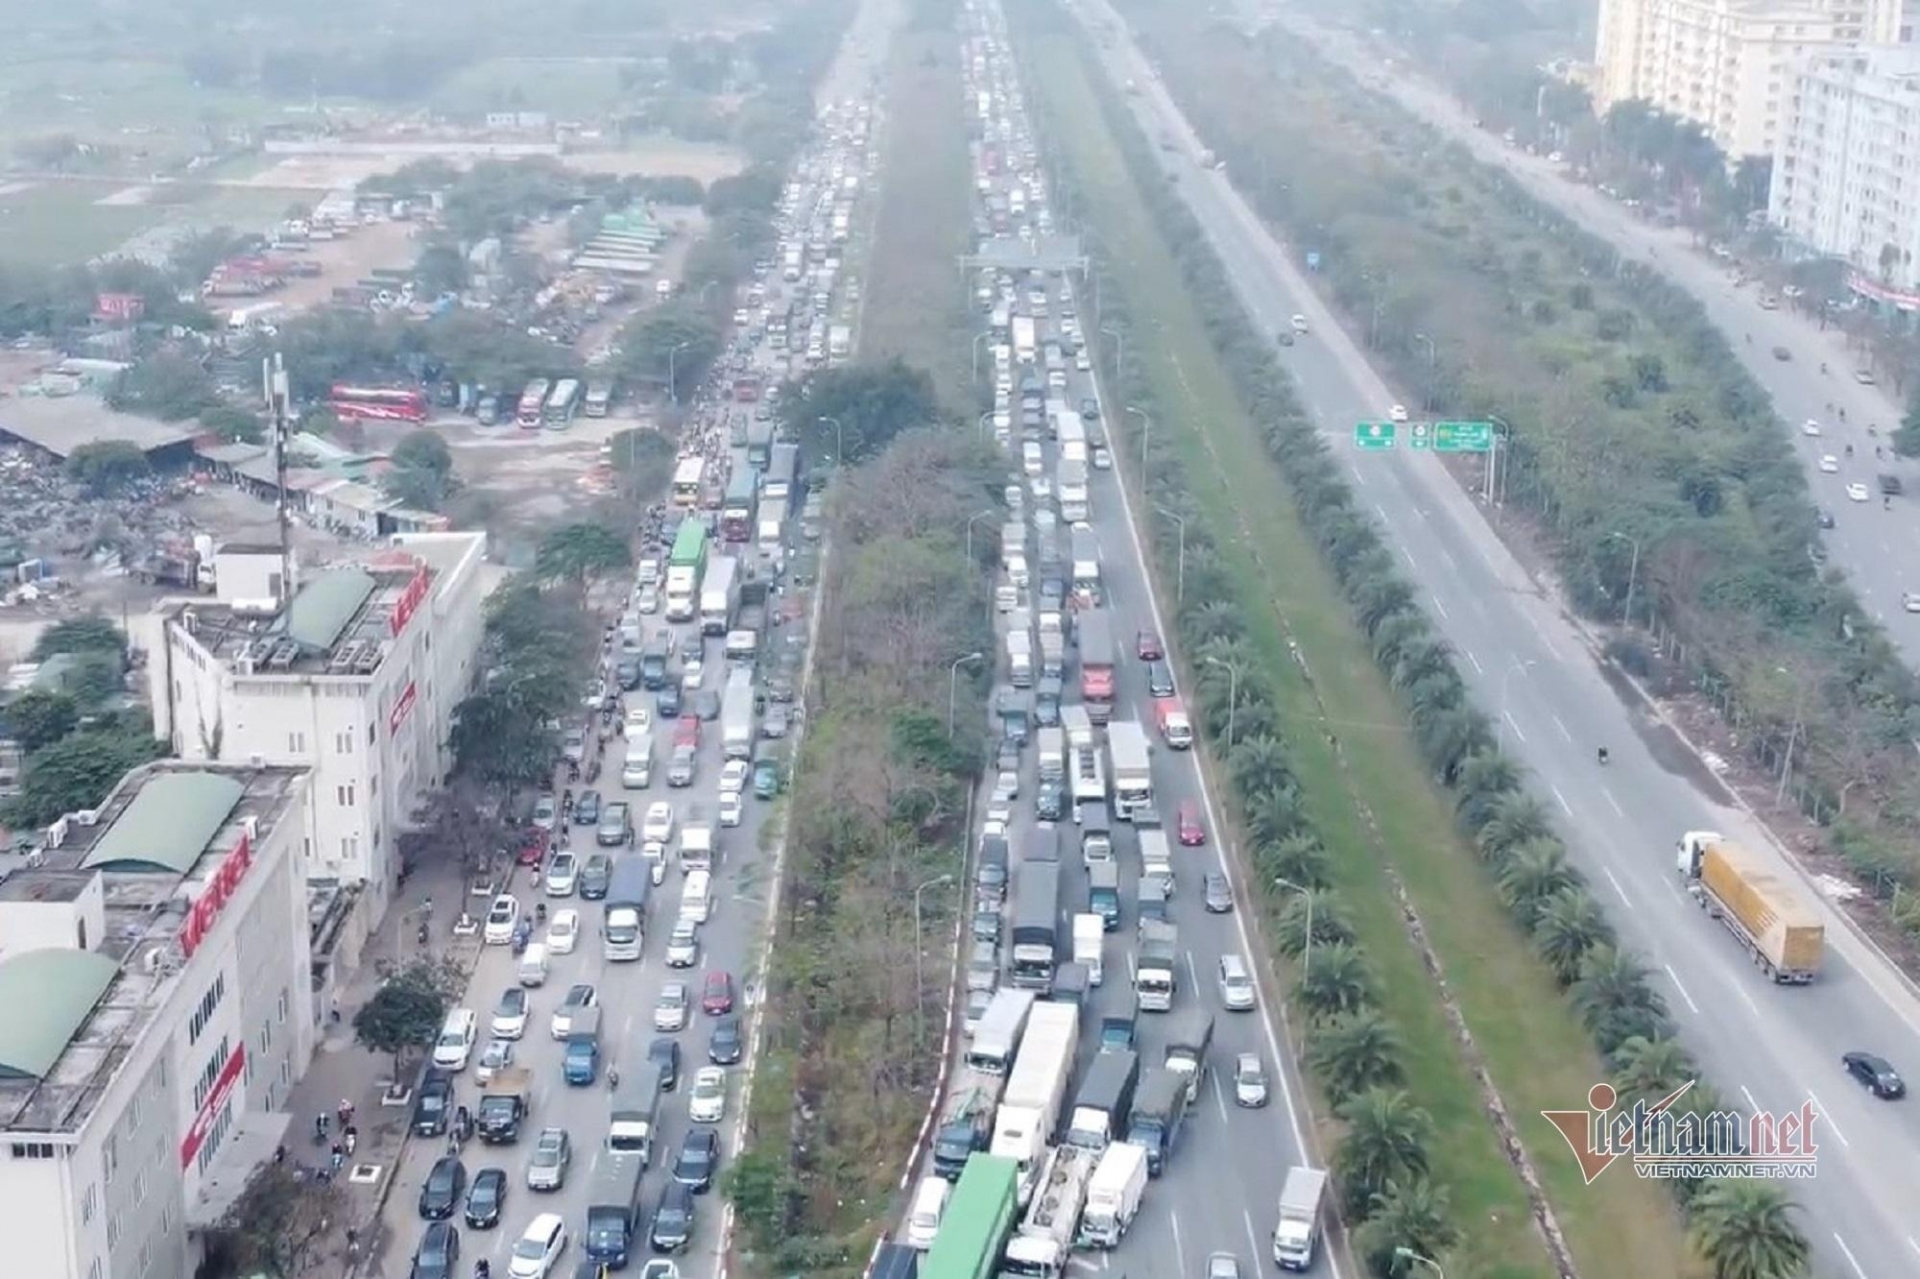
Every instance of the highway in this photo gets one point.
(1532, 667)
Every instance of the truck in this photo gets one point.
(1089, 940)
(1296, 1234)
(623, 918)
(1053, 655)
(1159, 1108)
(1070, 484)
(895, 1261)
(1079, 727)
(1096, 664)
(1087, 777)
(655, 649)
(1036, 925)
(580, 1060)
(1113, 1195)
(613, 1207)
(1189, 1036)
(1154, 979)
(1086, 566)
(736, 714)
(1103, 894)
(966, 1125)
(1170, 717)
(1105, 1099)
(504, 1103)
(1042, 1245)
(980, 1215)
(1024, 348)
(1053, 754)
(1132, 770)
(1036, 1087)
(996, 1040)
(719, 595)
(696, 840)
(634, 1118)
(1156, 859)
(1757, 905)
(840, 341)
(181, 566)
(1020, 659)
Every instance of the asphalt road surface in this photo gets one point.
(1773, 1047)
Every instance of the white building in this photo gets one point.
(1846, 174)
(356, 679)
(154, 971)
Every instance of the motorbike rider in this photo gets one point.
(1603, 754)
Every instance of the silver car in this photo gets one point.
(552, 1152)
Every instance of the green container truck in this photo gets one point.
(979, 1217)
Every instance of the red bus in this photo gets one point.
(379, 403)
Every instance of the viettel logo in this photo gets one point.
(1663, 1142)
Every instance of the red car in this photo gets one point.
(533, 846)
(1193, 831)
(686, 731)
(716, 996)
(1147, 647)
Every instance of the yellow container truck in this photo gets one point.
(1758, 905)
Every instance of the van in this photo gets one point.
(1096, 832)
(533, 965)
(929, 1205)
(636, 773)
(1236, 986)
(696, 896)
(455, 1045)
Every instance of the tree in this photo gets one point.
(1515, 818)
(1336, 982)
(1323, 905)
(440, 269)
(463, 825)
(233, 423)
(39, 718)
(1566, 926)
(408, 1008)
(677, 341)
(1532, 874)
(109, 467)
(89, 634)
(1386, 1143)
(1406, 1215)
(1485, 777)
(859, 407)
(499, 734)
(76, 773)
(166, 385)
(1906, 436)
(281, 1223)
(1614, 999)
(94, 678)
(1354, 1052)
(422, 472)
(576, 552)
(1745, 1230)
(1650, 1068)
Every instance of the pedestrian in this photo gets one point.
(280, 1154)
(339, 1156)
(346, 1107)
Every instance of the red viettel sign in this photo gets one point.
(398, 715)
(410, 600)
(219, 891)
(122, 308)
(216, 1098)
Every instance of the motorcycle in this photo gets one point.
(1603, 755)
(522, 934)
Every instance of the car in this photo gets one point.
(1222, 1265)
(1284, 338)
(986, 926)
(486, 1197)
(626, 673)
(665, 1053)
(1006, 788)
(1823, 517)
(1159, 679)
(494, 1058)
(1193, 832)
(733, 776)
(437, 1256)
(723, 1045)
(596, 875)
(977, 1001)
(766, 779)
(579, 995)
(647, 599)
(539, 1249)
(1857, 492)
(502, 917)
(510, 1015)
(1910, 601)
(732, 808)
(562, 875)
(1782, 354)
(1810, 427)
(552, 1153)
(1398, 413)
(615, 830)
(563, 932)
(1876, 1074)
(716, 992)
(983, 966)
(533, 846)
(639, 720)
(1050, 802)
(1829, 464)
(1082, 361)
(586, 808)
(670, 1007)
(1089, 409)
(1147, 646)
(672, 1228)
(1249, 1080)
(683, 945)
(546, 812)
(658, 823)
(774, 723)
(1299, 324)
(699, 1156)
(709, 1100)
(573, 746)
(1217, 894)
(667, 701)
(440, 1193)
(433, 1104)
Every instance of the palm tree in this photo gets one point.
(1386, 1142)
(1433, 694)
(1301, 858)
(1485, 776)
(1568, 925)
(1329, 924)
(1274, 814)
(1414, 1215)
(1355, 1052)
(1216, 619)
(1534, 872)
(1614, 1000)
(1745, 1230)
(1516, 818)
(1337, 982)
(1397, 633)
(1379, 598)
(1420, 660)
(1447, 737)
(1257, 762)
(1650, 1068)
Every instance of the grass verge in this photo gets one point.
(1537, 1053)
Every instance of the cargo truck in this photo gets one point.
(1079, 726)
(1086, 566)
(1176, 730)
(1153, 979)
(1113, 1195)
(580, 1062)
(1043, 1244)
(1758, 906)
(1156, 859)
(1103, 893)
(966, 1126)
(1189, 1036)
(736, 715)
(613, 1207)
(1036, 925)
(1132, 770)
(1002, 1026)
(1036, 1088)
(504, 1103)
(1053, 655)
(1296, 1235)
(624, 911)
(1159, 1108)
(1096, 664)
(1089, 941)
(696, 841)
(719, 595)
(1052, 754)
(1087, 776)
(1070, 483)
(1024, 348)
(1020, 659)
(979, 1216)
(634, 1119)
(1101, 1107)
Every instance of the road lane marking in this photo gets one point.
(1382, 512)
(1476, 661)
(1439, 607)
(1618, 890)
(1412, 563)
(1448, 558)
(1253, 1237)
(1849, 1255)
(1219, 1097)
(1565, 807)
(1677, 985)
(1748, 999)
(1828, 1116)
(1358, 476)
(1179, 1248)
(1565, 736)
(1751, 1103)
(1193, 974)
(1544, 637)
(1131, 974)
(1913, 1243)
(1618, 811)
(1515, 726)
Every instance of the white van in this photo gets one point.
(929, 1205)
(455, 1045)
(637, 772)
(1236, 986)
(696, 896)
(533, 965)
(1032, 460)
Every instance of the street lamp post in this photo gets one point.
(953, 686)
(1418, 1259)
(706, 289)
(991, 510)
(1233, 691)
(1493, 459)
(1146, 441)
(1633, 573)
(839, 440)
(1180, 560)
(1119, 347)
(981, 430)
(673, 385)
(1433, 368)
(919, 979)
(978, 338)
(1500, 729)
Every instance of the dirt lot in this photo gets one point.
(342, 262)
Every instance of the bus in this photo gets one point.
(533, 404)
(759, 444)
(782, 472)
(563, 403)
(736, 510)
(979, 1217)
(687, 475)
(377, 403)
(599, 397)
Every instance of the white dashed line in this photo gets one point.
(1565, 807)
(1565, 736)
(1476, 661)
(1826, 1115)
(1439, 607)
(1849, 1255)
(1618, 811)
(1618, 890)
(1514, 725)
(1677, 985)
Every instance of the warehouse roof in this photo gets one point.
(321, 610)
(168, 825)
(47, 994)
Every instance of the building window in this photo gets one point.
(110, 1159)
(33, 1150)
(343, 743)
(139, 1188)
(216, 1134)
(87, 1204)
(297, 743)
(94, 1270)
(113, 1231)
(211, 1075)
(345, 792)
(216, 992)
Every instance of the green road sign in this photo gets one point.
(1373, 435)
(1462, 437)
(1419, 435)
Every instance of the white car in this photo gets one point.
(539, 1249)
(670, 1009)
(709, 1095)
(692, 673)
(648, 572)
(1810, 427)
(563, 932)
(579, 995)
(1911, 601)
(733, 807)
(496, 1057)
(657, 826)
(1829, 464)
(639, 719)
(733, 776)
(683, 947)
(510, 1015)
(1398, 413)
(1857, 492)
(1299, 324)
(562, 873)
(1082, 362)
(648, 599)
(501, 918)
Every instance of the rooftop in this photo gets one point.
(342, 620)
(155, 844)
(61, 424)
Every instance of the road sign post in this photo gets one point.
(1462, 437)
(1373, 436)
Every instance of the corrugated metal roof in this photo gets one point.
(47, 994)
(169, 823)
(322, 608)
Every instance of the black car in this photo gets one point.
(990, 882)
(438, 1256)
(665, 1053)
(706, 704)
(673, 1219)
(627, 672)
(1823, 517)
(1876, 1074)
(986, 925)
(1050, 802)
(1007, 759)
(433, 1105)
(667, 702)
(441, 1193)
(1159, 679)
(723, 1046)
(486, 1198)
(699, 1156)
(596, 873)
(586, 809)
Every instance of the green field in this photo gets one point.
(576, 88)
(63, 222)
(1370, 798)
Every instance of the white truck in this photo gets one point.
(1024, 347)
(696, 842)
(1087, 778)
(736, 714)
(1020, 658)
(1070, 483)
(1154, 976)
(1036, 1088)
(1089, 942)
(1079, 726)
(719, 595)
(1156, 858)
(1297, 1233)
(1113, 1195)
(1052, 754)
(1086, 564)
(1043, 1243)
(839, 341)
(1132, 770)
